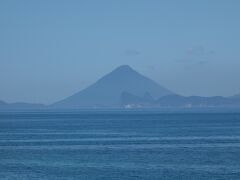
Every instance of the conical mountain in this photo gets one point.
(106, 92)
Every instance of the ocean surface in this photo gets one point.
(120, 145)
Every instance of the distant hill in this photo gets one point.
(236, 96)
(196, 101)
(107, 91)
(129, 100)
(4, 105)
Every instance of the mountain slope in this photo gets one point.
(127, 99)
(106, 92)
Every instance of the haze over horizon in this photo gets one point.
(52, 49)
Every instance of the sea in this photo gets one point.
(116, 144)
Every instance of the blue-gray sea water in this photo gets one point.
(119, 145)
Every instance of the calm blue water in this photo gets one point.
(122, 145)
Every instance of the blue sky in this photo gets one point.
(50, 49)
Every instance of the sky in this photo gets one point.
(50, 49)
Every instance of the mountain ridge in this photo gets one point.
(125, 87)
